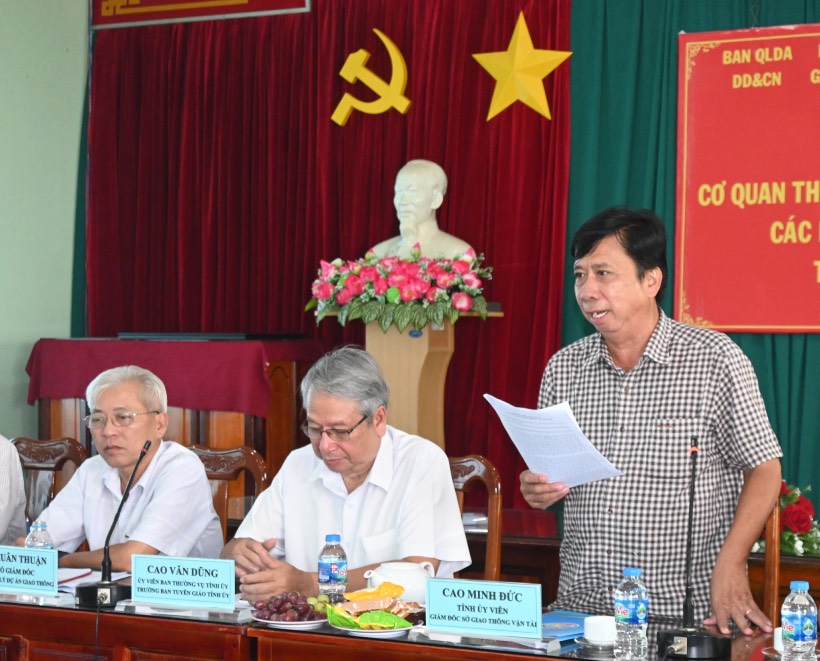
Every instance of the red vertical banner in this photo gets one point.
(748, 188)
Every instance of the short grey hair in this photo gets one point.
(150, 388)
(348, 373)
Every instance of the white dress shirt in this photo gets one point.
(406, 507)
(170, 508)
(12, 494)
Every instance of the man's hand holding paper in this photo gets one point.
(555, 450)
(539, 492)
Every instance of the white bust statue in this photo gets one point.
(419, 191)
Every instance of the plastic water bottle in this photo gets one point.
(39, 537)
(631, 613)
(333, 569)
(798, 616)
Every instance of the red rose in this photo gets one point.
(805, 504)
(784, 488)
(355, 284)
(344, 297)
(322, 290)
(462, 301)
(796, 519)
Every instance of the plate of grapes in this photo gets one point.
(291, 610)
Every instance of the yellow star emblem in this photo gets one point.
(519, 72)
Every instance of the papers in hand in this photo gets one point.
(552, 443)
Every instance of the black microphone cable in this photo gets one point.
(97, 629)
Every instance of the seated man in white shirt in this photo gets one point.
(170, 507)
(12, 494)
(389, 494)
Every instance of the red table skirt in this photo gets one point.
(214, 375)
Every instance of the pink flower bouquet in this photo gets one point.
(393, 291)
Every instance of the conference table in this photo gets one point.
(31, 632)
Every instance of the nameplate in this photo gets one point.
(167, 581)
(28, 571)
(484, 608)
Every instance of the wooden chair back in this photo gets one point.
(771, 573)
(223, 466)
(467, 471)
(47, 466)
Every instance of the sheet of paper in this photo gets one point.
(552, 443)
(68, 583)
(68, 574)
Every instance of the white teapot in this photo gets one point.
(412, 576)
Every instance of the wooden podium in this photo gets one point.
(415, 366)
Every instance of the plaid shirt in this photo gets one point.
(689, 382)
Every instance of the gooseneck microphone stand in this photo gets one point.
(105, 593)
(692, 642)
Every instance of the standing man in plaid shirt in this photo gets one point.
(642, 388)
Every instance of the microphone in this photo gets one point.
(690, 641)
(106, 593)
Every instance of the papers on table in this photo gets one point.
(475, 522)
(68, 578)
(70, 574)
(552, 443)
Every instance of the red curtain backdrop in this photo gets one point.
(217, 180)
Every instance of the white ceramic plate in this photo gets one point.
(374, 633)
(296, 626)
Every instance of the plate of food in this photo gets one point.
(374, 633)
(297, 625)
(290, 610)
(375, 613)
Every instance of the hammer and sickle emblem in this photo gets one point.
(391, 95)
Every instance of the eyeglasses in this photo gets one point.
(337, 435)
(119, 419)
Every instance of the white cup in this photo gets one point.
(778, 639)
(599, 629)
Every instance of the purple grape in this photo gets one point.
(290, 616)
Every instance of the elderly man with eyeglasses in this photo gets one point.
(388, 494)
(169, 509)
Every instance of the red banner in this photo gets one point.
(748, 192)
(121, 13)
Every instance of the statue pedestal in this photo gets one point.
(415, 367)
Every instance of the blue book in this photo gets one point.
(563, 625)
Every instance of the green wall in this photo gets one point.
(43, 64)
(624, 95)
